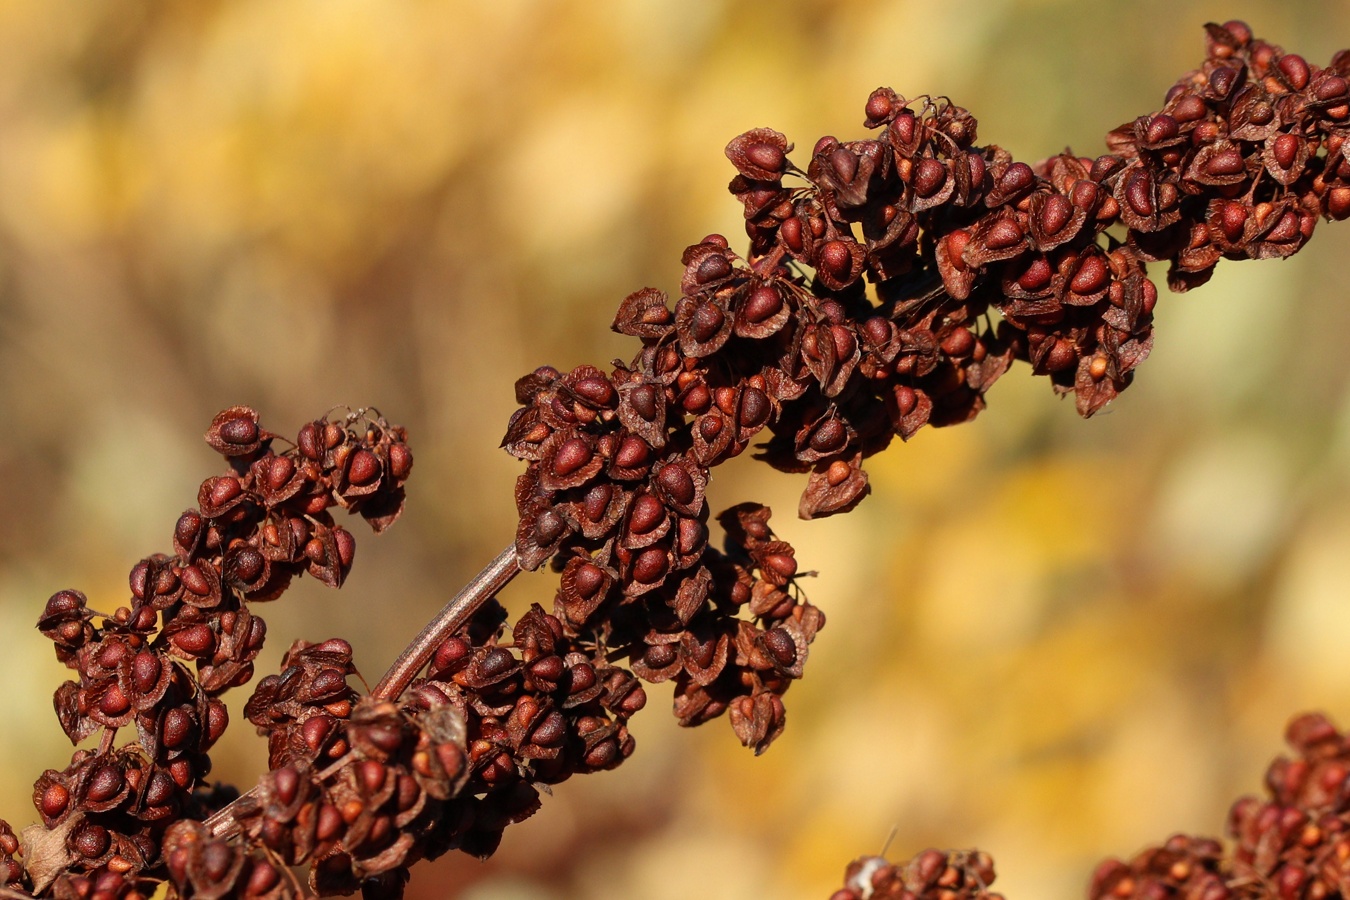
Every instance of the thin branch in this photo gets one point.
(482, 587)
(450, 619)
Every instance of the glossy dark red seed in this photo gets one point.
(574, 454)
(677, 484)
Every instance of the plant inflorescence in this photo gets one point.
(889, 282)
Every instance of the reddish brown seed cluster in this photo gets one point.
(160, 663)
(863, 311)
(363, 790)
(932, 875)
(1295, 844)
(1185, 867)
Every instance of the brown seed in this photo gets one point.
(240, 431)
(1061, 356)
(364, 467)
(1097, 368)
(595, 390)
(713, 267)
(755, 408)
(879, 106)
(844, 163)
(574, 454)
(1139, 193)
(959, 343)
(643, 400)
(1018, 177)
(691, 535)
(828, 437)
(195, 639)
(1091, 276)
(1037, 275)
(633, 453)
(1084, 194)
(195, 581)
(791, 233)
(697, 399)
(497, 663)
(261, 879)
(838, 472)
(1285, 150)
(906, 399)
(1222, 80)
(588, 579)
(708, 321)
(400, 460)
(1161, 127)
(223, 489)
(330, 823)
(1338, 203)
(1295, 71)
(160, 790)
(582, 677)
(279, 472)
(178, 726)
(650, 565)
(91, 841)
(648, 512)
(836, 260)
(1189, 108)
(783, 564)
(844, 341)
(1228, 161)
(725, 398)
(145, 671)
(551, 730)
(1330, 87)
(766, 156)
(245, 566)
(114, 703)
(54, 800)
(677, 484)
(1002, 234)
(1055, 214)
(658, 656)
(761, 303)
(929, 176)
(780, 646)
(217, 720)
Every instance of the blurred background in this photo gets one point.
(1053, 639)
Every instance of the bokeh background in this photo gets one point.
(1057, 640)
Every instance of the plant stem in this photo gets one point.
(482, 587)
(450, 619)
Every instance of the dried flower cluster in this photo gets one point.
(932, 875)
(161, 663)
(1294, 844)
(863, 310)
(790, 344)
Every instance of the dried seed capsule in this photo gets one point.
(363, 468)
(55, 798)
(647, 512)
(761, 303)
(650, 565)
(675, 480)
